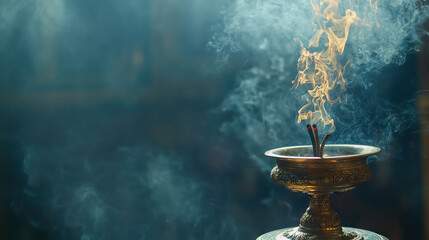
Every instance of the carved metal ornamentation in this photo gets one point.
(319, 177)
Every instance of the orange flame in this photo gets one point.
(322, 69)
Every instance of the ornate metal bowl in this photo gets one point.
(342, 168)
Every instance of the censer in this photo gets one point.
(306, 169)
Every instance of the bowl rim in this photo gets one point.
(371, 150)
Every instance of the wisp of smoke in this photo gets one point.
(266, 109)
(134, 193)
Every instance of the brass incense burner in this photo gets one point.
(341, 168)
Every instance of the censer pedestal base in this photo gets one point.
(358, 234)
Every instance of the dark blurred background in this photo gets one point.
(110, 121)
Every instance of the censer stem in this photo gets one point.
(320, 218)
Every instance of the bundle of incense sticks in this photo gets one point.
(315, 141)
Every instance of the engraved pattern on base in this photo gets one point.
(359, 234)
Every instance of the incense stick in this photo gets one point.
(310, 132)
(316, 135)
(323, 144)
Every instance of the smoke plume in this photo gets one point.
(266, 108)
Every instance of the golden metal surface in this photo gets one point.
(342, 168)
